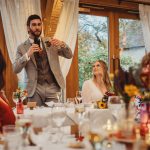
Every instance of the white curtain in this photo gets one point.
(14, 16)
(145, 19)
(67, 30)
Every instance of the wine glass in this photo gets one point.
(80, 109)
(115, 105)
(58, 117)
(12, 136)
(39, 133)
(79, 96)
(59, 96)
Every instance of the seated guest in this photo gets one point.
(95, 88)
(145, 71)
(6, 114)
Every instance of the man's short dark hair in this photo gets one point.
(32, 17)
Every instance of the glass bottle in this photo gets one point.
(19, 107)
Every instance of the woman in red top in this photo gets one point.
(6, 114)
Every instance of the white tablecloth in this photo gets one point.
(42, 115)
(97, 117)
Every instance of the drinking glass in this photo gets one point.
(12, 136)
(79, 96)
(115, 105)
(58, 117)
(59, 97)
(80, 109)
(39, 137)
(24, 124)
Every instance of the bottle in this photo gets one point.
(19, 107)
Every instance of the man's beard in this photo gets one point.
(34, 34)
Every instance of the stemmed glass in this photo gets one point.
(59, 97)
(58, 117)
(79, 96)
(115, 105)
(80, 109)
(13, 138)
(39, 131)
(24, 124)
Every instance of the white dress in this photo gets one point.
(90, 92)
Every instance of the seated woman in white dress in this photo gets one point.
(95, 88)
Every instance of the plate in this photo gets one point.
(76, 145)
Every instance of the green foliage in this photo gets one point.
(93, 42)
(86, 60)
(126, 62)
(132, 31)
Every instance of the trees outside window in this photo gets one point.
(131, 42)
(93, 44)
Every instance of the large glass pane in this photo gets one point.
(131, 42)
(92, 43)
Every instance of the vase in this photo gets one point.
(19, 107)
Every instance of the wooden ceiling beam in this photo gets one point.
(111, 4)
(145, 2)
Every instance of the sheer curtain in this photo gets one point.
(67, 30)
(145, 19)
(14, 16)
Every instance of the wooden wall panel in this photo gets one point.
(10, 77)
(72, 78)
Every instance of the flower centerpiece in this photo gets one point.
(102, 104)
(131, 93)
(19, 94)
(130, 86)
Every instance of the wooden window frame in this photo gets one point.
(72, 84)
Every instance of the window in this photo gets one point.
(101, 35)
(131, 42)
(92, 43)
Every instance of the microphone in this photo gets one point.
(37, 41)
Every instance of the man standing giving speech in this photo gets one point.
(40, 58)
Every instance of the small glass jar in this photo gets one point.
(19, 107)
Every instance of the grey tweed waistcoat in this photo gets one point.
(44, 71)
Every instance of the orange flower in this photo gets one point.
(25, 92)
(20, 94)
(131, 90)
